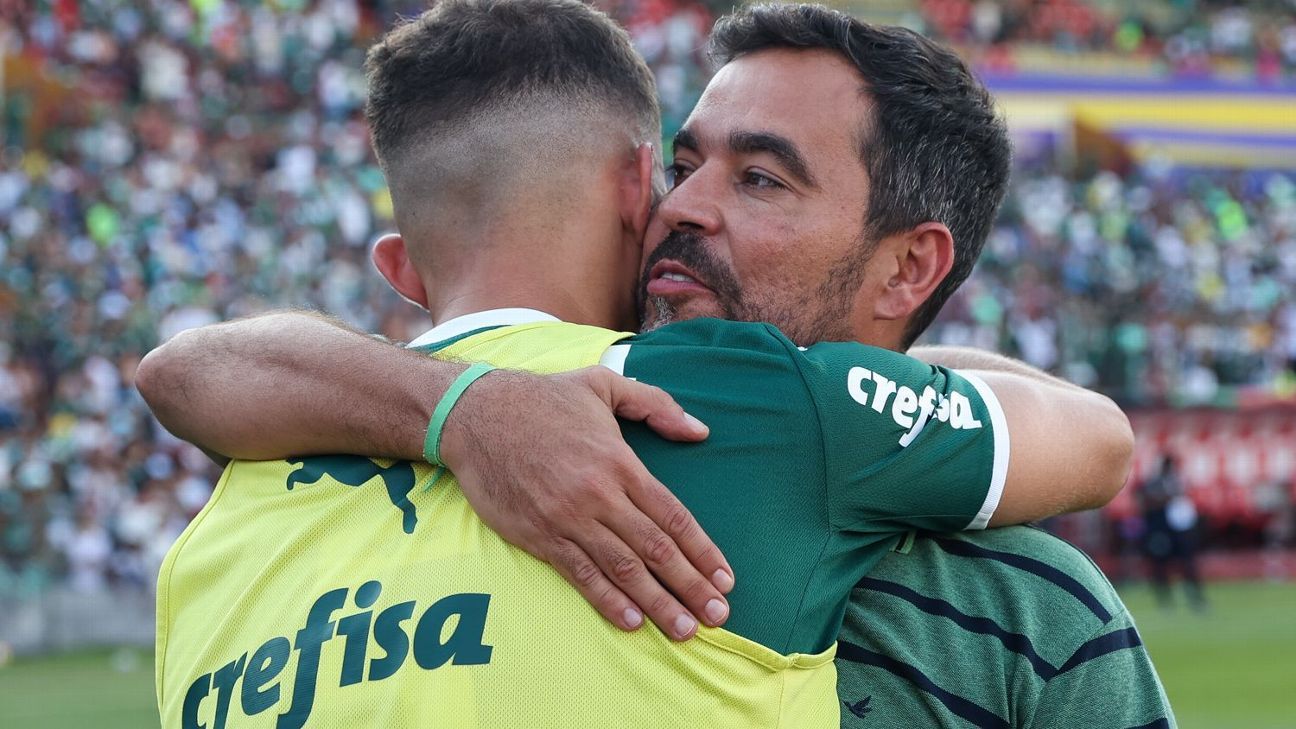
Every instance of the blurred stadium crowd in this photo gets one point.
(169, 164)
(1187, 35)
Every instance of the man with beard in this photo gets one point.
(891, 442)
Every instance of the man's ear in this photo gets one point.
(923, 258)
(637, 193)
(392, 260)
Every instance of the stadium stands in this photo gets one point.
(1184, 37)
(171, 164)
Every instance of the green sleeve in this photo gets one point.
(741, 382)
(894, 442)
(907, 444)
(1111, 683)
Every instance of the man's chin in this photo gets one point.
(658, 312)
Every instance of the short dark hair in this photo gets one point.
(935, 149)
(463, 57)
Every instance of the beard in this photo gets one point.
(690, 250)
(819, 314)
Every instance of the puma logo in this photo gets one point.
(357, 471)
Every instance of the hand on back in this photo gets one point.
(543, 463)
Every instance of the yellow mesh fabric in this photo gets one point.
(462, 629)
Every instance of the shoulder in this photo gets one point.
(748, 335)
(719, 340)
(716, 333)
(1020, 580)
(1026, 541)
(725, 355)
(1046, 569)
(1029, 617)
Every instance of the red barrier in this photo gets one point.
(1237, 466)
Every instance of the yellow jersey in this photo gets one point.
(300, 597)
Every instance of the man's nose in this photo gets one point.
(693, 205)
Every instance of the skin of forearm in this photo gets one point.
(1049, 406)
(968, 358)
(996, 366)
(1083, 443)
(293, 383)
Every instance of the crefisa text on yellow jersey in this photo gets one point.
(260, 672)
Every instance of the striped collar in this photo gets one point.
(480, 320)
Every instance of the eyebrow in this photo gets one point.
(684, 138)
(781, 148)
(742, 142)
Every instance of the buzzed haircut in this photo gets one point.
(935, 148)
(468, 74)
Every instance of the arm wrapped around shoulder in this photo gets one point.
(1072, 448)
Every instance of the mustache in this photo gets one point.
(690, 249)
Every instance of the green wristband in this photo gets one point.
(432, 443)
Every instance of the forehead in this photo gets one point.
(813, 97)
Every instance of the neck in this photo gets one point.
(493, 291)
(565, 251)
(558, 281)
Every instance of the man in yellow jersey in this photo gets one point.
(819, 454)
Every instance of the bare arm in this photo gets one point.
(295, 383)
(1071, 448)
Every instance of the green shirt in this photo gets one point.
(1010, 627)
(818, 459)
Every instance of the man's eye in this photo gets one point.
(675, 174)
(761, 182)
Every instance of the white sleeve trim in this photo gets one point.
(615, 358)
(999, 472)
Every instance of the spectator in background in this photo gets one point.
(1169, 521)
(88, 551)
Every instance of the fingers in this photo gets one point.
(628, 572)
(660, 555)
(577, 568)
(636, 401)
(606, 525)
(609, 573)
(683, 531)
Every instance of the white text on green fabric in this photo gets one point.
(907, 408)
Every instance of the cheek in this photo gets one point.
(653, 236)
(779, 260)
(760, 235)
(769, 272)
